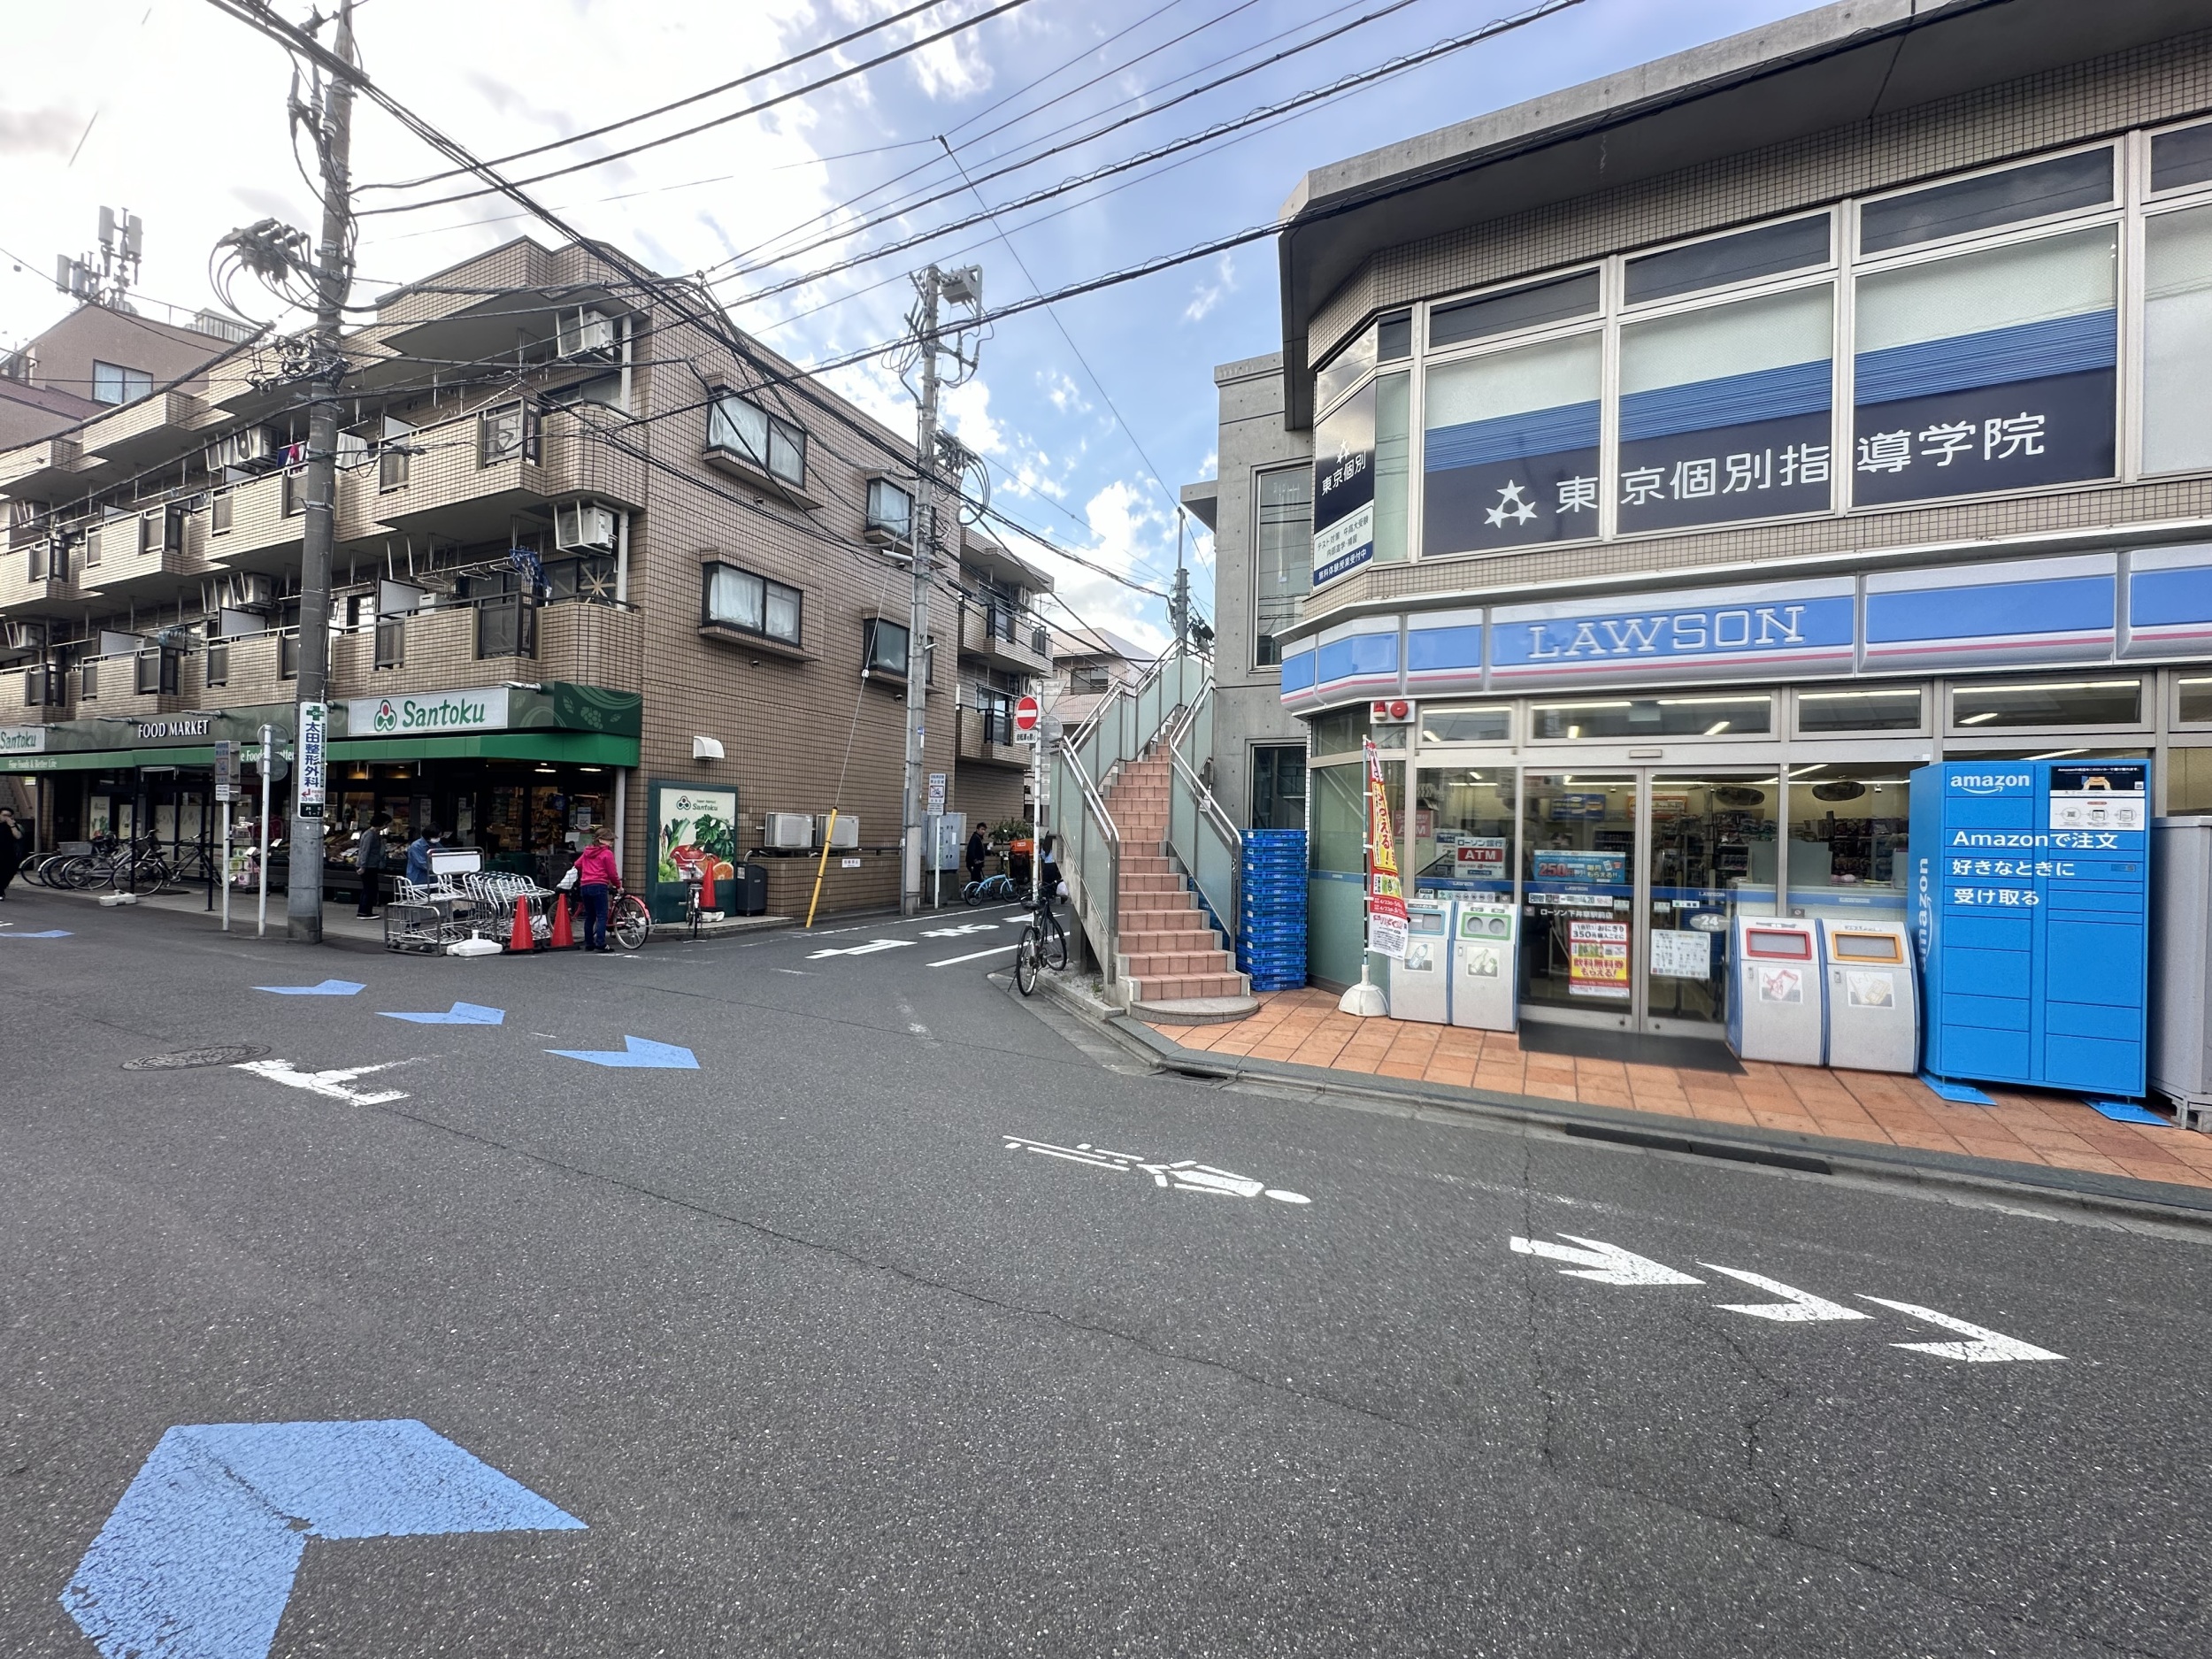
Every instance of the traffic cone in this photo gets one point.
(706, 886)
(562, 940)
(520, 937)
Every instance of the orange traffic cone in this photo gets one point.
(520, 937)
(562, 940)
(706, 886)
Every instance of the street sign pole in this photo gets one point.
(225, 792)
(268, 758)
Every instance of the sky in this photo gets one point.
(1093, 412)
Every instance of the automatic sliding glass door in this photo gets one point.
(1578, 929)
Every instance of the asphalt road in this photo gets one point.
(874, 1334)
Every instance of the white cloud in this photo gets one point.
(1063, 392)
(967, 416)
(1206, 295)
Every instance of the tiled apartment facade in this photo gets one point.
(593, 566)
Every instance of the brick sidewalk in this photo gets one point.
(2026, 1127)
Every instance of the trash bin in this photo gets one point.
(748, 891)
(1776, 1010)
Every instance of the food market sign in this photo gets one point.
(427, 713)
(22, 740)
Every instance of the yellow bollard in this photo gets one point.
(821, 869)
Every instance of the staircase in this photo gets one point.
(1169, 965)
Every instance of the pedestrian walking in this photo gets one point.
(419, 852)
(371, 856)
(597, 876)
(978, 850)
(13, 844)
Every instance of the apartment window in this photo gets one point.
(1636, 717)
(112, 383)
(763, 440)
(1976, 707)
(88, 680)
(1283, 564)
(883, 647)
(2178, 341)
(1560, 300)
(161, 531)
(1892, 708)
(295, 487)
(753, 605)
(1724, 411)
(994, 708)
(216, 664)
(1278, 786)
(156, 673)
(391, 641)
(2065, 184)
(391, 468)
(1089, 678)
(507, 623)
(288, 657)
(1511, 447)
(219, 511)
(890, 509)
(1796, 244)
(2182, 157)
(1985, 371)
(509, 433)
(38, 560)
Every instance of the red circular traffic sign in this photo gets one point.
(1025, 713)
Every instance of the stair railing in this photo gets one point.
(1201, 837)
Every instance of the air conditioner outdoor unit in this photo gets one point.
(249, 448)
(584, 526)
(846, 832)
(586, 334)
(246, 590)
(787, 832)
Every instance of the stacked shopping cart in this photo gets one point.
(1271, 924)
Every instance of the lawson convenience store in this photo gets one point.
(517, 770)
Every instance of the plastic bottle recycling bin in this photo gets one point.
(1776, 1012)
(1420, 984)
(1873, 1003)
(1483, 979)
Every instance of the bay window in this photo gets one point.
(751, 605)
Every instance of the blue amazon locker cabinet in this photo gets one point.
(2030, 918)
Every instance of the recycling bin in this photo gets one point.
(1776, 1012)
(1483, 956)
(1420, 984)
(1873, 1002)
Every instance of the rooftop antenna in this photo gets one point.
(107, 276)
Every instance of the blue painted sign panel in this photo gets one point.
(1344, 487)
(1793, 628)
(1744, 446)
(1359, 657)
(2060, 609)
(2031, 885)
(1511, 480)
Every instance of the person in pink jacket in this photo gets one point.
(597, 876)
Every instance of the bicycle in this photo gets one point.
(1044, 944)
(998, 889)
(629, 923)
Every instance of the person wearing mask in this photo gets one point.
(371, 856)
(978, 850)
(418, 856)
(597, 876)
(13, 844)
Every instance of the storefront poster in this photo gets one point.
(1781, 985)
(1386, 892)
(1681, 953)
(1479, 859)
(1560, 863)
(1565, 808)
(694, 829)
(1344, 488)
(1597, 959)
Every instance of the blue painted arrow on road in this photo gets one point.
(51, 932)
(636, 1051)
(197, 1559)
(328, 988)
(459, 1014)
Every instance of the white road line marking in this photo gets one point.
(802, 972)
(1185, 1175)
(868, 950)
(956, 932)
(1606, 1264)
(1986, 1346)
(330, 1084)
(977, 955)
(1797, 1306)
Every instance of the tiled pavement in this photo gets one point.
(2056, 1129)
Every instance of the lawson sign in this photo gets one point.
(427, 713)
(1795, 626)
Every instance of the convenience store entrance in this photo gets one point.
(1631, 878)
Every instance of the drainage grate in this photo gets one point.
(224, 1054)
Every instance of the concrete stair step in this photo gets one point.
(1180, 986)
(1139, 943)
(1160, 964)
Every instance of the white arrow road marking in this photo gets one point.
(956, 932)
(1607, 1263)
(868, 950)
(1986, 1347)
(1798, 1306)
(330, 1083)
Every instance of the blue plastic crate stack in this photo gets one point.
(1271, 926)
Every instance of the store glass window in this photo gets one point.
(1558, 301)
(1795, 244)
(1446, 725)
(2193, 702)
(1510, 449)
(1278, 786)
(1724, 411)
(2182, 157)
(1284, 561)
(1339, 730)
(2177, 342)
(1613, 720)
(1338, 833)
(1987, 371)
(2051, 703)
(1393, 337)
(2188, 780)
(2066, 184)
(1846, 834)
(1461, 838)
(1393, 465)
(1343, 371)
(1891, 709)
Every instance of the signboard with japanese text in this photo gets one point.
(1385, 892)
(1681, 953)
(312, 747)
(1597, 959)
(1479, 859)
(1511, 450)
(1344, 487)
(1598, 869)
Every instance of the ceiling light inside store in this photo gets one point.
(1717, 727)
(1976, 720)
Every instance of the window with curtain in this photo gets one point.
(1511, 451)
(766, 442)
(1994, 370)
(751, 605)
(2177, 342)
(1283, 555)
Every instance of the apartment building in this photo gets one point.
(1659, 471)
(593, 566)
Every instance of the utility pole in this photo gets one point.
(1178, 598)
(962, 286)
(333, 271)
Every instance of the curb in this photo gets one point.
(2120, 1197)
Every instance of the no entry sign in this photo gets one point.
(1025, 713)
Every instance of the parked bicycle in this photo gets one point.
(629, 923)
(137, 866)
(998, 889)
(1044, 944)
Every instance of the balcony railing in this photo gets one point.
(1007, 637)
(498, 636)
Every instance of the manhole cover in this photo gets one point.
(223, 1054)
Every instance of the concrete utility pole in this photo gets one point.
(1178, 598)
(333, 273)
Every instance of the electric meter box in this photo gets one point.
(945, 835)
(1421, 982)
(2030, 906)
(1483, 958)
(1873, 1002)
(1776, 1009)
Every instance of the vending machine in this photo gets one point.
(1483, 977)
(2031, 888)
